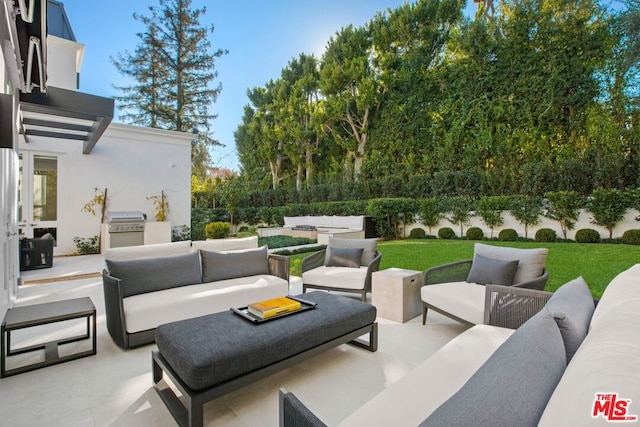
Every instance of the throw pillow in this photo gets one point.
(345, 257)
(229, 265)
(513, 386)
(492, 271)
(531, 264)
(139, 276)
(572, 307)
(369, 245)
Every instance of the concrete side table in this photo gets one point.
(396, 293)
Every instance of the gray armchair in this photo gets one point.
(457, 290)
(346, 265)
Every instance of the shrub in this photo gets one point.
(446, 233)
(217, 230)
(508, 235)
(87, 245)
(180, 233)
(587, 235)
(475, 233)
(546, 235)
(631, 237)
(418, 233)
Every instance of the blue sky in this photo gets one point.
(261, 36)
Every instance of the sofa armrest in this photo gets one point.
(538, 283)
(372, 267)
(114, 308)
(452, 272)
(293, 413)
(510, 307)
(279, 266)
(313, 261)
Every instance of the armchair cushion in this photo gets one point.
(514, 384)
(229, 265)
(492, 271)
(343, 277)
(572, 307)
(344, 257)
(462, 299)
(369, 247)
(531, 261)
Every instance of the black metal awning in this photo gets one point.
(65, 114)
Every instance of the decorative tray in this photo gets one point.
(244, 313)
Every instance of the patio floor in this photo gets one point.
(114, 387)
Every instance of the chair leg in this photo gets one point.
(364, 296)
(424, 313)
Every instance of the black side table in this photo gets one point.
(42, 314)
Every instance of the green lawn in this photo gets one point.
(597, 263)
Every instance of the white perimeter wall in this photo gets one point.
(132, 162)
(584, 221)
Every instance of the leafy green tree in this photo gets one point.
(490, 208)
(431, 212)
(173, 67)
(564, 207)
(352, 89)
(527, 210)
(460, 209)
(608, 208)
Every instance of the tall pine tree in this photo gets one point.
(173, 73)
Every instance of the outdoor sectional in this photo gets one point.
(581, 369)
(147, 286)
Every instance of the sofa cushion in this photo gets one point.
(228, 265)
(148, 275)
(128, 253)
(572, 307)
(222, 245)
(513, 386)
(532, 261)
(622, 288)
(144, 312)
(462, 299)
(607, 362)
(344, 257)
(369, 247)
(344, 277)
(414, 396)
(492, 271)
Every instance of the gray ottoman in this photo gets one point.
(209, 356)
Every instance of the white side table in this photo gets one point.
(396, 293)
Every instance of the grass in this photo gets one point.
(596, 263)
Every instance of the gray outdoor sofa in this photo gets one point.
(569, 364)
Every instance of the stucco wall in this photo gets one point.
(133, 163)
(584, 221)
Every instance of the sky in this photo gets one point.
(262, 36)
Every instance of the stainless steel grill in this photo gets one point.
(126, 229)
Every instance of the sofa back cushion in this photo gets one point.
(492, 271)
(513, 386)
(229, 265)
(572, 307)
(220, 245)
(531, 261)
(148, 251)
(139, 276)
(622, 288)
(369, 246)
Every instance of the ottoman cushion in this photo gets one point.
(206, 351)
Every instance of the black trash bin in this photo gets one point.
(36, 253)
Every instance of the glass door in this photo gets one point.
(38, 195)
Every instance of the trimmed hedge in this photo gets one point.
(417, 233)
(587, 235)
(546, 235)
(217, 230)
(631, 237)
(475, 233)
(508, 235)
(446, 233)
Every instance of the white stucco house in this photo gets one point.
(58, 145)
